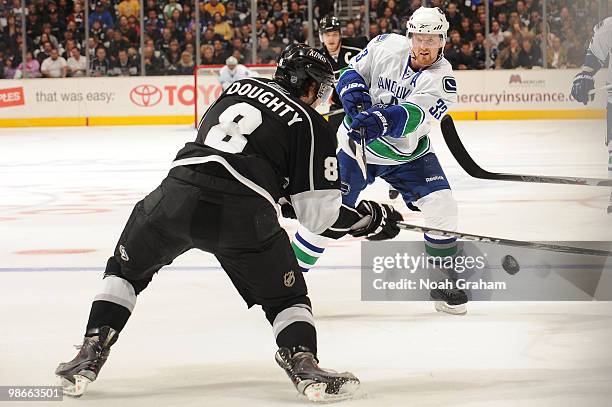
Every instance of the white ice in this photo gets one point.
(65, 194)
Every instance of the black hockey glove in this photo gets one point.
(583, 84)
(381, 224)
(287, 209)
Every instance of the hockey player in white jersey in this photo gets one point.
(233, 71)
(598, 52)
(401, 83)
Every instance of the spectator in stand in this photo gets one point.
(265, 54)
(9, 69)
(2, 62)
(177, 20)
(453, 47)
(77, 64)
(464, 60)
(508, 58)
(244, 55)
(276, 43)
(102, 15)
(374, 30)
(124, 66)
(222, 27)
(529, 56)
(163, 45)
(32, 68)
(556, 54)
(349, 30)
(233, 16)
(466, 32)
(44, 51)
(152, 20)
(55, 66)
(220, 53)
(480, 51)
(100, 65)
(393, 21)
(384, 27)
(154, 65)
(575, 52)
(502, 19)
(523, 13)
(77, 16)
(170, 7)
(173, 57)
(154, 5)
(57, 26)
(186, 66)
(126, 31)
(214, 6)
(129, 8)
(207, 55)
(453, 16)
(46, 35)
(518, 30)
(495, 37)
(210, 37)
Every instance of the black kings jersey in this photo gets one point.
(260, 132)
(349, 47)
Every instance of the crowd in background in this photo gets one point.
(56, 42)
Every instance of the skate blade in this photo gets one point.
(76, 389)
(442, 306)
(316, 392)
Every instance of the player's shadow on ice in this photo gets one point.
(189, 384)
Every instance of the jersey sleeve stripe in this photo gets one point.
(307, 245)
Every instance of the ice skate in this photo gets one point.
(316, 384)
(450, 300)
(76, 375)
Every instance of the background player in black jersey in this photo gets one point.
(339, 52)
(260, 142)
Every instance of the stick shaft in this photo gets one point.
(505, 242)
(458, 150)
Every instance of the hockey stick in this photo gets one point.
(334, 112)
(466, 162)
(506, 242)
(360, 150)
(593, 91)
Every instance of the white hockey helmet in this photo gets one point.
(428, 20)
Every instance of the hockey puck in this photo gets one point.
(510, 264)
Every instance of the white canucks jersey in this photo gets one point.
(601, 46)
(426, 94)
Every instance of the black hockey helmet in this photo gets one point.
(329, 24)
(298, 64)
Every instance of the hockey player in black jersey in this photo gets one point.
(260, 143)
(339, 52)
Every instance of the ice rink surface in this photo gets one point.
(65, 194)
